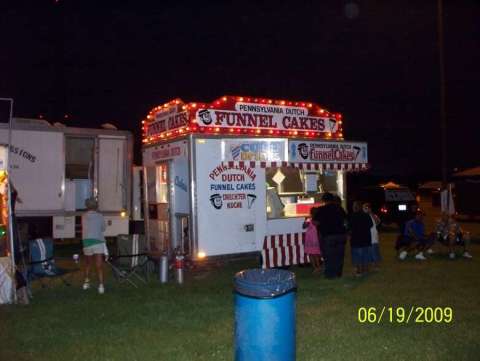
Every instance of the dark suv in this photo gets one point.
(393, 204)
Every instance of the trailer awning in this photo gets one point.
(352, 167)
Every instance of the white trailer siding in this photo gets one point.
(111, 174)
(56, 168)
(37, 166)
(236, 224)
(172, 197)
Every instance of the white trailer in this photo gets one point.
(240, 174)
(55, 168)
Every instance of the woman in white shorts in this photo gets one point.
(94, 246)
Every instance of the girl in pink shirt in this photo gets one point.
(312, 242)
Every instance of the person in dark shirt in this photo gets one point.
(330, 220)
(413, 237)
(360, 224)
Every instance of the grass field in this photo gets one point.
(195, 321)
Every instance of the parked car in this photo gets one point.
(391, 202)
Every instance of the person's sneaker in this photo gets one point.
(420, 256)
(467, 255)
(101, 289)
(451, 255)
(86, 285)
(430, 251)
(403, 255)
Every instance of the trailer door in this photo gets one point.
(37, 167)
(111, 174)
(158, 215)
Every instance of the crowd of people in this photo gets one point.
(414, 239)
(329, 229)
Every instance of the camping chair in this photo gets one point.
(130, 262)
(41, 263)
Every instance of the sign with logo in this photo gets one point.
(164, 152)
(254, 150)
(232, 187)
(266, 116)
(327, 152)
(166, 119)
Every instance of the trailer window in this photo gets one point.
(79, 157)
(292, 182)
(327, 182)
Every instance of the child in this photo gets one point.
(375, 248)
(312, 242)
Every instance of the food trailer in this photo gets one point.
(240, 174)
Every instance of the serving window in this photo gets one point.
(291, 192)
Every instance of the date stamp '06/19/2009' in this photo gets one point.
(405, 315)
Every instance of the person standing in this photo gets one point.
(330, 219)
(312, 242)
(375, 247)
(360, 224)
(94, 244)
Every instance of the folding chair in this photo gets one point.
(41, 263)
(130, 262)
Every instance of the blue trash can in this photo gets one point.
(265, 315)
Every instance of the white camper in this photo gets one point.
(55, 168)
(240, 174)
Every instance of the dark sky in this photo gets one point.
(374, 61)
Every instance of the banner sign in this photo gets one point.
(260, 150)
(164, 152)
(266, 116)
(327, 152)
(167, 119)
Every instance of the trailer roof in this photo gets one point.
(43, 125)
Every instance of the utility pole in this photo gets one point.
(443, 114)
(58, 90)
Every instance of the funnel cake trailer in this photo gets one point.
(240, 174)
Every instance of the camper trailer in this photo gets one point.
(55, 168)
(239, 175)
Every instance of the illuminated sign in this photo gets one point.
(255, 150)
(274, 117)
(239, 116)
(167, 119)
(327, 152)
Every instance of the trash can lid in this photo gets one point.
(264, 283)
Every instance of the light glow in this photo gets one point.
(228, 103)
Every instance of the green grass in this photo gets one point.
(195, 321)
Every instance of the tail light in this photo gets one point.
(384, 209)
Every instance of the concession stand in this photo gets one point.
(240, 174)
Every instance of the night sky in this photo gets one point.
(374, 61)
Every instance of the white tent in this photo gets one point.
(470, 172)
